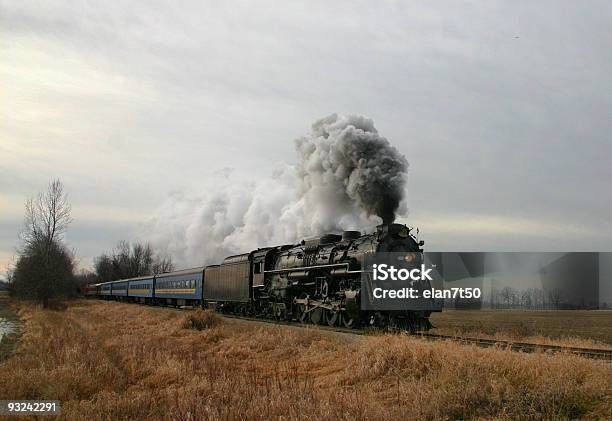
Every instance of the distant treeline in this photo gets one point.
(131, 261)
(527, 299)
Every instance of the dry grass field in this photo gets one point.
(571, 328)
(108, 360)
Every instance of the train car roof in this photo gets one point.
(238, 258)
(262, 251)
(138, 278)
(181, 272)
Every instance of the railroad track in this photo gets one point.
(599, 354)
(527, 347)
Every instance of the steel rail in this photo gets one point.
(527, 347)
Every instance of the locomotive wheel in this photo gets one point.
(348, 321)
(279, 312)
(331, 317)
(316, 316)
(300, 311)
(304, 316)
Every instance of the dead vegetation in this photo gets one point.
(123, 361)
(201, 320)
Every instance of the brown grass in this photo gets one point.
(124, 361)
(201, 320)
(589, 329)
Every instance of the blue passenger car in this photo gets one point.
(141, 289)
(119, 289)
(180, 288)
(104, 289)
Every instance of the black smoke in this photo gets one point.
(349, 152)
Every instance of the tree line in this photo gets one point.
(530, 298)
(524, 299)
(131, 261)
(46, 269)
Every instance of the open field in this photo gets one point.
(124, 361)
(569, 328)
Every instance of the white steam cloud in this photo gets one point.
(347, 177)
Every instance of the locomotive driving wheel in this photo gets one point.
(348, 321)
(301, 310)
(316, 315)
(332, 317)
(279, 311)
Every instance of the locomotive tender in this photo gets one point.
(315, 281)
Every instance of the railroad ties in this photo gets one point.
(594, 353)
(599, 354)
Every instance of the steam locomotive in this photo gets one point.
(316, 281)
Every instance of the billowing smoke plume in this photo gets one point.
(347, 177)
(349, 155)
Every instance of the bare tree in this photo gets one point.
(163, 264)
(141, 259)
(121, 260)
(525, 299)
(538, 298)
(507, 295)
(103, 265)
(47, 217)
(515, 298)
(495, 298)
(554, 296)
(8, 278)
(131, 261)
(84, 277)
(10, 271)
(45, 267)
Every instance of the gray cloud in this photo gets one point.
(503, 107)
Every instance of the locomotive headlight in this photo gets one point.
(410, 257)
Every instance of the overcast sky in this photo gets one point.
(503, 109)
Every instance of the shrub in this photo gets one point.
(201, 320)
